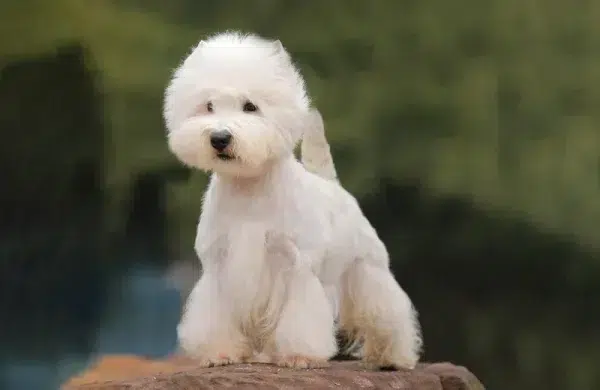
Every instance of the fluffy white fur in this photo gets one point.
(286, 252)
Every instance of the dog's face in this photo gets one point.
(235, 105)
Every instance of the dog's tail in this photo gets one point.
(315, 151)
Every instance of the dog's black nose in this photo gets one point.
(219, 139)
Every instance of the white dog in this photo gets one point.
(287, 254)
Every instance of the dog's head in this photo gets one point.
(235, 105)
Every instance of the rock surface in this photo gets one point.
(131, 372)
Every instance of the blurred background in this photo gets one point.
(469, 131)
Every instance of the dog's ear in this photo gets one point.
(197, 49)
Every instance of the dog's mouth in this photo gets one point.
(224, 157)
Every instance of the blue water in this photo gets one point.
(140, 317)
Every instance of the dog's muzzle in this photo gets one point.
(220, 139)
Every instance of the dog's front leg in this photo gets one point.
(207, 331)
(305, 335)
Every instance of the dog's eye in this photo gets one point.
(250, 107)
(209, 107)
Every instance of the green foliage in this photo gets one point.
(494, 100)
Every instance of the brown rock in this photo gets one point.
(131, 372)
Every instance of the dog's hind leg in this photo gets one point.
(379, 314)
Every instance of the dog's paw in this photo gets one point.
(298, 361)
(219, 360)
